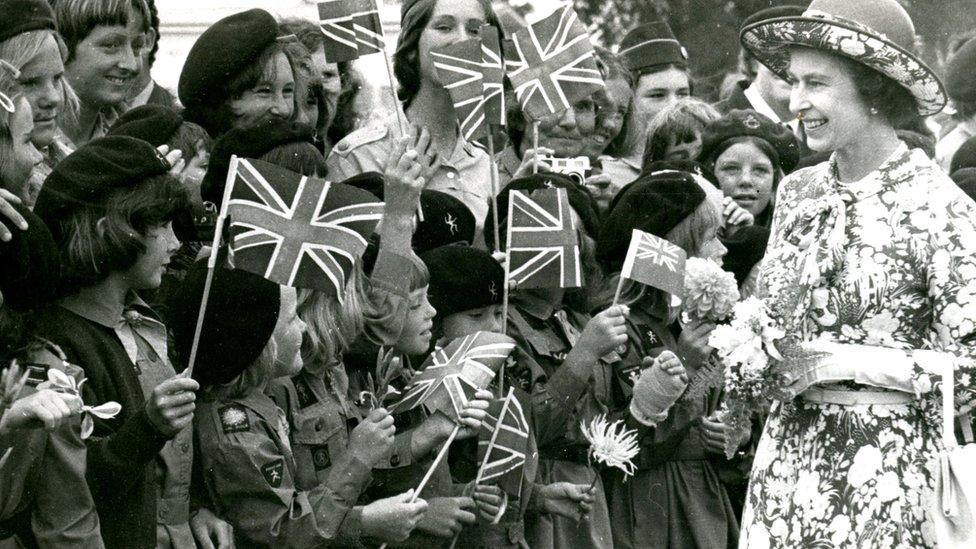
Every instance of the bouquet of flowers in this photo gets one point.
(710, 292)
(745, 346)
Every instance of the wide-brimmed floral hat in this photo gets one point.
(876, 33)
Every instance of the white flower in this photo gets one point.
(62, 382)
(757, 537)
(867, 462)
(611, 443)
(888, 486)
(710, 292)
(840, 529)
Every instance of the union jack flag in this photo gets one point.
(503, 443)
(296, 230)
(369, 30)
(543, 250)
(493, 71)
(551, 64)
(656, 262)
(459, 69)
(335, 19)
(452, 374)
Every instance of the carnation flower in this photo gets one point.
(611, 443)
(710, 292)
(63, 383)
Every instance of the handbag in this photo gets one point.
(955, 479)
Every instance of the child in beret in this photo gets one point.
(465, 287)
(110, 206)
(251, 337)
(675, 498)
(228, 82)
(563, 358)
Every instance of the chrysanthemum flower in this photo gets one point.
(710, 292)
(611, 443)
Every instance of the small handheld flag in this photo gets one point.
(367, 26)
(296, 230)
(493, 75)
(656, 262)
(459, 68)
(503, 443)
(335, 19)
(543, 246)
(451, 375)
(551, 64)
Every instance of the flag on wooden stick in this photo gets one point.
(451, 375)
(493, 75)
(335, 19)
(296, 230)
(551, 64)
(543, 245)
(459, 69)
(656, 262)
(368, 27)
(503, 443)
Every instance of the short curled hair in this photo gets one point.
(891, 100)
(406, 63)
(78, 18)
(680, 122)
(92, 248)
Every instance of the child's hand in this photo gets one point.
(693, 347)
(573, 501)
(735, 215)
(392, 519)
(604, 333)
(373, 437)
(403, 179)
(715, 432)
(447, 516)
(9, 217)
(526, 168)
(170, 406)
(45, 408)
(670, 364)
(474, 413)
(489, 500)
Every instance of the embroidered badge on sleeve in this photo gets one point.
(273, 472)
(233, 419)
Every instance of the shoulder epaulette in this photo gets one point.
(360, 137)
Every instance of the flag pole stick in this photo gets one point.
(494, 186)
(535, 147)
(506, 292)
(211, 265)
(616, 294)
(401, 117)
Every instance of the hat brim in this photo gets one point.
(769, 41)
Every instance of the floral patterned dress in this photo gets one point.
(888, 261)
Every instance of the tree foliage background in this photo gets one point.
(709, 28)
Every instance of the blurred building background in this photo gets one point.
(709, 28)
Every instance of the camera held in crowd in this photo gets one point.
(575, 168)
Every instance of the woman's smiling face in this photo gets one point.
(825, 97)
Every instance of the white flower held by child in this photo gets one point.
(611, 443)
(61, 382)
(710, 292)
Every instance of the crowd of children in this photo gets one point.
(282, 435)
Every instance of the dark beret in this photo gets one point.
(785, 10)
(152, 123)
(747, 122)
(242, 311)
(29, 265)
(462, 278)
(88, 175)
(579, 199)
(966, 180)
(651, 45)
(447, 220)
(964, 157)
(21, 16)
(746, 247)
(655, 203)
(248, 142)
(223, 50)
(959, 82)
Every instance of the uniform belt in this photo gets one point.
(853, 398)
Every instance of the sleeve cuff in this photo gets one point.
(351, 529)
(349, 478)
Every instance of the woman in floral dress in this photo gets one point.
(869, 271)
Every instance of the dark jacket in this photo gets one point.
(121, 450)
(162, 96)
(737, 100)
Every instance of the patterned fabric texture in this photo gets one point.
(885, 261)
(769, 42)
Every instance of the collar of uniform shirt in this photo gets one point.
(105, 314)
(535, 306)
